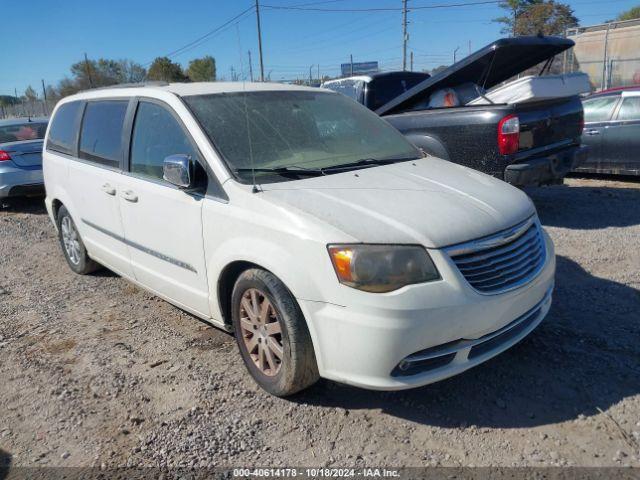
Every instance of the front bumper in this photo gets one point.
(547, 169)
(364, 346)
(16, 181)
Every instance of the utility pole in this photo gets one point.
(259, 41)
(86, 66)
(310, 79)
(454, 54)
(405, 36)
(250, 67)
(351, 57)
(44, 95)
(411, 60)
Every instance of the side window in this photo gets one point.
(101, 133)
(599, 109)
(156, 135)
(630, 109)
(62, 134)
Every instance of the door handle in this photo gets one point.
(129, 196)
(108, 189)
(592, 132)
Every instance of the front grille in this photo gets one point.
(503, 261)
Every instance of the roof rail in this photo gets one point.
(158, 83)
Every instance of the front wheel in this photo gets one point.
(272, 334)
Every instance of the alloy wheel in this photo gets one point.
(70, 240)
(261, 331)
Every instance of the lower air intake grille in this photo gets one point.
(504, 261)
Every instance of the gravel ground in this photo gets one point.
(94, 371)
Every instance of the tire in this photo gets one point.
(73, 248)
(279, 323)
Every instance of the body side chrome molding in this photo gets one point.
(142, 248)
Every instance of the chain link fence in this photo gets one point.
(27, 108)
(608, 53)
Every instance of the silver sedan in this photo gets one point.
(21, 156)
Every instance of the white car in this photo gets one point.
(302, 222)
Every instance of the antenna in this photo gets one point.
(246, 113)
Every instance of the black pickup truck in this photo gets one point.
(532, 143)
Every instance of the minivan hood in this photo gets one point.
(429, 201)
(489, 66)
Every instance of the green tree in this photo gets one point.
(630, 14)
(533, 17)
(202, 69)
(515, 8)
(130, 72)
(165, 70)
(30, 94)
(6, 100)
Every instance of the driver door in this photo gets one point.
(162, 223)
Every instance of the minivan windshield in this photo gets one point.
(285, 135)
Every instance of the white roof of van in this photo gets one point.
(186, 89)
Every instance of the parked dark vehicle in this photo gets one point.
(21, 156)
(375, 90)
(612, 131)
(537, 142)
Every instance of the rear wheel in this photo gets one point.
(272, 334)
(72, 245)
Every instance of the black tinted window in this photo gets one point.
(156, 135)
(384, 89)
(630, 109)
(62, 134)
(101, 134)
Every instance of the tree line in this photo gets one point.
(104, 72)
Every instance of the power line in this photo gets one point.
(379, 9)
(202, 38)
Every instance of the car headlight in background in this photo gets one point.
(382, 268)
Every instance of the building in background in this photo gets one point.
(609, 53)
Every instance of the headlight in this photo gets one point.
(382, 268)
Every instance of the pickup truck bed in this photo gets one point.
(548, 147)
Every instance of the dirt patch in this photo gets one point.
(151, 385)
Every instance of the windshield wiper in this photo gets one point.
(285, 171)
(364, 163)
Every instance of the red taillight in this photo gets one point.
(4, 156)
(508, 134)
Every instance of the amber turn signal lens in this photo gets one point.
(341, 257)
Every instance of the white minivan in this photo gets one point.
(302, 222)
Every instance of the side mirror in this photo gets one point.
(178, 170)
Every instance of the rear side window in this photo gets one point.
(630, 109)
(64, 127)
(101, 133)
(599, 109)
(156, 135)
